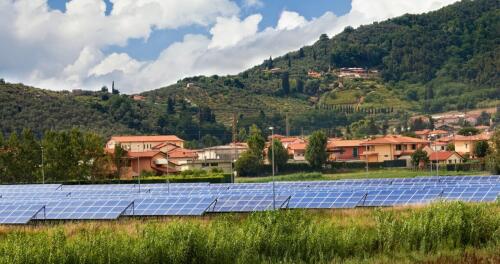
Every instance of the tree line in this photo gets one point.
(59, 156)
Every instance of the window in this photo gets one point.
(413, 146)
(399, 147)
(205, 164)
(466, 146)
(355, 152)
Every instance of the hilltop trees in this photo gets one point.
(316, 149)
(285, 83)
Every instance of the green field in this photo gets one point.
(356, 174)
(440, 233)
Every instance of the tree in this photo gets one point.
(468, 131)
(481, 148)
(450, 147)
(113, 90)
(316, 149)
(104, 89)
(170, 106)
(484, 119)
(280, 154)
(2, 81)
(119, 158)
(242, 135)
(270, 63)
(301, 53)
(248, 164)
(300, 86)
(311, 87)
(418, 157)
(256, 142)
(493, 157)
(285, 82)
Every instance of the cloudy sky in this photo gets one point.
(147, 44)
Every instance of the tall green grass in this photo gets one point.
(362, 235)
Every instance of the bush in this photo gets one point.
(248, 164)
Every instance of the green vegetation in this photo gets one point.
(280, 155)
(67, 156)
(316, 150)
(452, 232)
(493, 157)
(356, 174)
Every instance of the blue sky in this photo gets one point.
(271, 10)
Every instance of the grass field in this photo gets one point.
(440, 233)
(358, 174)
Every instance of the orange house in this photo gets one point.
(344, 150)
(142, 143)
(391, 147)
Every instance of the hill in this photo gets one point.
(440, 61)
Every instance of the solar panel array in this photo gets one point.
(20, 204)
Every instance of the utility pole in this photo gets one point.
(272, 165)
(235, 139)
(139, 173)
(43, 172)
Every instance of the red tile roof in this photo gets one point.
(441, 155)
(344, 143)
(159, 138)
(395, 139)
(145, 154)
(182, 153)
(479, 137)
(298, 146)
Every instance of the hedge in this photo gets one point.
(225, 178)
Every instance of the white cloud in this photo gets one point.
(290, 20)
(229, 31)
(58, 50)
(253, 3)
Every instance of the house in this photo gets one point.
(225, 165)
(344, 150)
(148, 161)
(445, 157)
(142, 143)
(427, 133)
(137, 97)
(391, 147)
(465, 144)
(297, 151)
(228, 152)
(313, 74)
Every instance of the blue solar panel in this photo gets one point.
(400, 197)
(84, 209)
(326, 199)
(472, 194)
(171, 206)
(18, 213)
(249, 203)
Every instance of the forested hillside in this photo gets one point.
(439, 61)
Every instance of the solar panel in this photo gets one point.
(84, 209)
(325, 199)
(31, 187)
(171, 206)
(400, 197)
(472, 194)
(249, 203)
(18, 213)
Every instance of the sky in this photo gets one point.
(147, 44)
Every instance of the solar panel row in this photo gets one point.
(21, 203)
